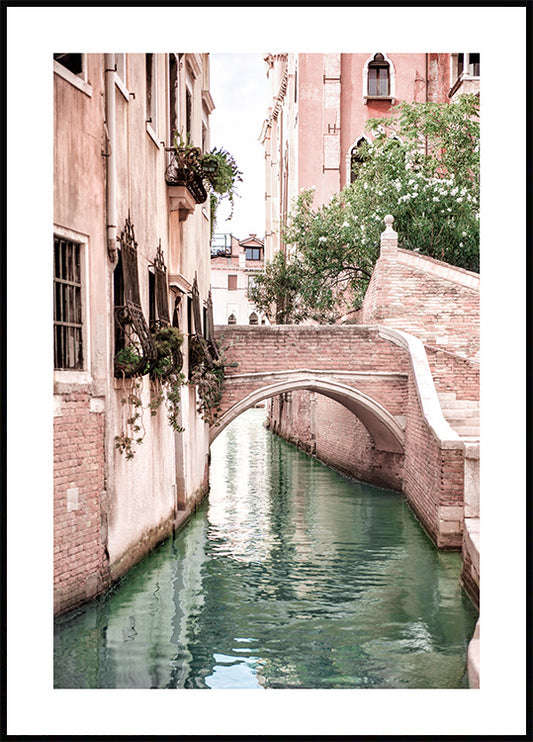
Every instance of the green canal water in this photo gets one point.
(289, 576)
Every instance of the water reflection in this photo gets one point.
(290, 576)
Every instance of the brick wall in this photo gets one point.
(453, 373)
(339, 439)
(347, 347)
(433, 478)
(80, 562)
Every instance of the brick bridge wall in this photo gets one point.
(428, 466)
(354, 357)
(439, 304)
(326, 429)
(432, 300)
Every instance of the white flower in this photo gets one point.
(345, 224)
(322, 239)
(459, 200)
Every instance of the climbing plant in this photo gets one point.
(133, 430)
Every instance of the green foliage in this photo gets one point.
(423, 168)
(428, 179)
(207, 374)
(165, 375)
(166, 381)
(275, 292)
(127, 359)
(217, 168)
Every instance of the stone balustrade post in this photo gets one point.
(389, 239)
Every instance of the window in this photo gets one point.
(188, 114)
(253, 319)
(158, 293)
(120, 63)
(151, 98)
(131, 329)
(173, 96)
(232, 319)
(68, 317)
(464, 66)
(72, 62)
(232, 283)
(221, 245)
(253, 253)
(251, 282)
(73, 69)
(378, 77)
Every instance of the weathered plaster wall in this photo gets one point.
(131, 505)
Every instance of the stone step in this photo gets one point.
(466, 432)
(457, 414)
(460, 404)
(447, 396)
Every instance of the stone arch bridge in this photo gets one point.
(383, 377)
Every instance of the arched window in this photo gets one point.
(379, 77)
(253, 319)
(232, 319)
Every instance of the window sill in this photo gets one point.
(460, 80)
(73, 79)
(119, 82)
(150, 131)
(66, 382)
(366, 98)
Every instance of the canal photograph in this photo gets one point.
(268, 484)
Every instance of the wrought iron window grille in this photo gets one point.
(134, 345)
(162, 317)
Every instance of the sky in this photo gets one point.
(241, 94)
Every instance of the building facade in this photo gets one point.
(320, 105)
(234, 263)
(131, 255)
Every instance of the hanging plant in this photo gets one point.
(221, 172)
(216, 169)
(207, 374)
(165, 374)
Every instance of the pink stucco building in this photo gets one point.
(319, 109)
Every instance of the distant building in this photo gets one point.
(234, 264)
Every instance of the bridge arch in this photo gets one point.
(387, 433)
